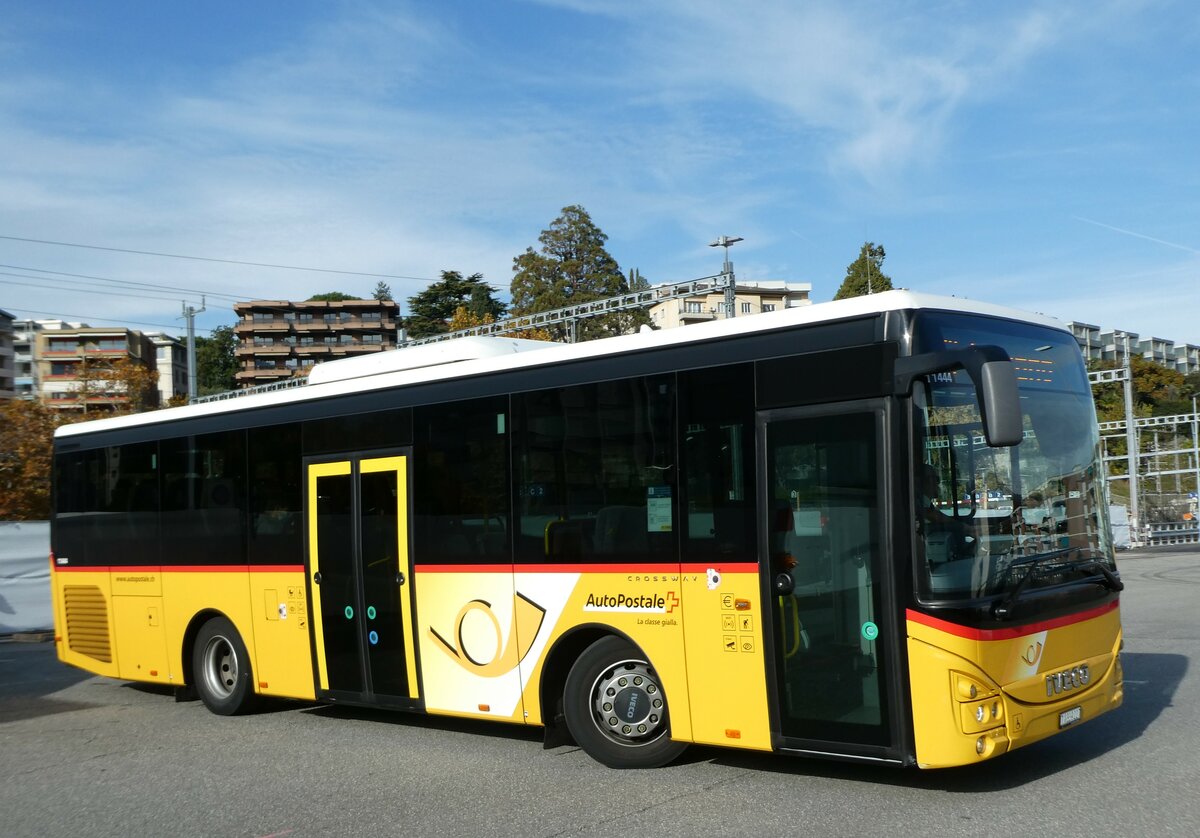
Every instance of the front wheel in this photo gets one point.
(616, 708)
(221, 669)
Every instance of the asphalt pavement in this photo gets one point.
(89, 756)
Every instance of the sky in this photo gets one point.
(1039, 155)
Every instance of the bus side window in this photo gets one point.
(461, 482)
(716, 426)
(595, 471)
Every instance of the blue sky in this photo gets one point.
(1041, 155)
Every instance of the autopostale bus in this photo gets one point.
(830, 530)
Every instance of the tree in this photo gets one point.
(125, 385)
(632, 321)
(464, 318)
(865, 274)
(138, 383)
(332, 297)
(216, 362)
(26, 458)
(1157, 391)
(433, 308)
(572, 267)
(382, 291)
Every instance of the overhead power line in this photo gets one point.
(79, 287)
(212, 259)
(128, 282)
(82, 317)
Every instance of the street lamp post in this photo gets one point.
(1131, 445)
(727, 273)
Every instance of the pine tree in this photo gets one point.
(433, 308)
(572, 266)
(865, 274)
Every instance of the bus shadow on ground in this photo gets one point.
(451, 724)
(1151, 681)
(27, 690)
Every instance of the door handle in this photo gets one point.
(317, 577)
(399, 578)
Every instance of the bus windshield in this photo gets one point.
(988, 518)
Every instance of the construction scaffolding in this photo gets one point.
(1164, 511)
(570, 316)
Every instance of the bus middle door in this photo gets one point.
(359, 573)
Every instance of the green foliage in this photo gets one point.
(571, 267)
(382, 291)
(1192, 383)
(1157, 391)
(332, 297)
(865, 274)
(26, 459)
(216, 362)
(433, 308)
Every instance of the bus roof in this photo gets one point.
(463, 357)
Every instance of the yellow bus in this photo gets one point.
(827, 530)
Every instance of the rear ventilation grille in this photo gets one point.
(87, 622)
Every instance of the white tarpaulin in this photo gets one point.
(25, 577)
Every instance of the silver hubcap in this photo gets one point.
(628, 705)
(220, 667)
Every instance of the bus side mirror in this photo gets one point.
(1000, 404)
(991, 371)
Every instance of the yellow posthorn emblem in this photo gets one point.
(491, 656)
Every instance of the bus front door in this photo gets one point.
(823, 549)
(358, 574)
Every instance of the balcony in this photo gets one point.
(254, 326)
(260, 376)
(694, 316)
(272, 349)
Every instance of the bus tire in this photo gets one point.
(221, 669)
(616, 708)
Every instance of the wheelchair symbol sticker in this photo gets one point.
(870, 631)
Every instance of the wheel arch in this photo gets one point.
(558, 662)
(189, 641)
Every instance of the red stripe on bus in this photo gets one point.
(208, 568)
(644, 569)
(1009, 633)
(724, 567)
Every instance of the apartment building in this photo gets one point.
(277, 339)
(7, 368)
(751, 298)
(1114, 344)
(170, 359)
(71, 358)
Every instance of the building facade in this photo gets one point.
(278, 339)
(1099, 344)
(7, 368)
(751, 298)
(73, 364)
(170, 359)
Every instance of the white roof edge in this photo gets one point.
(563, 352)
(416, 357)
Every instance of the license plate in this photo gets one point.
(1070, 717)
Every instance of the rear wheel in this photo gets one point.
(221, 669)
(616, 708)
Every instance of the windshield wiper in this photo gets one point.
(1111, 580)
(1045, 562)
(1002, 610)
